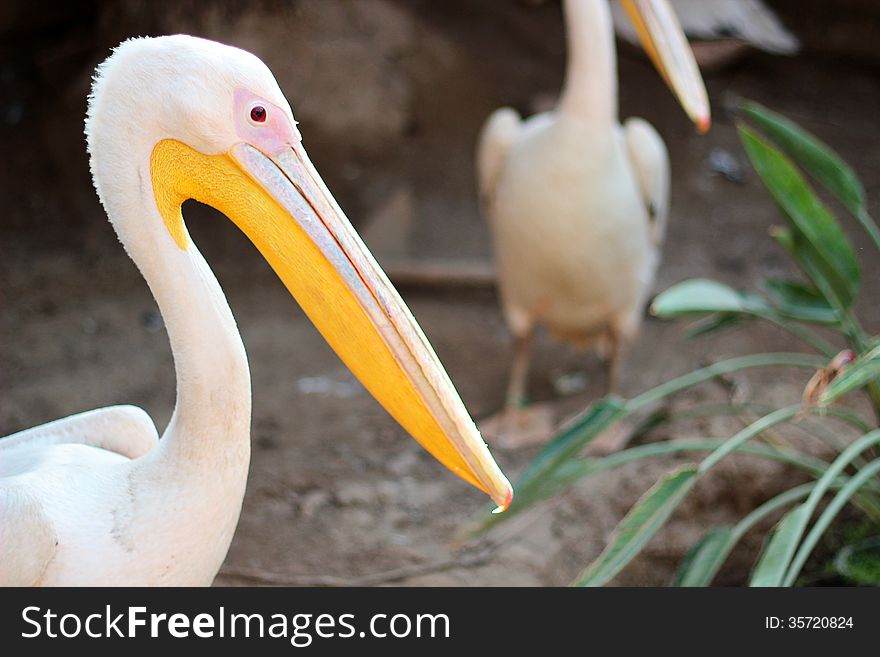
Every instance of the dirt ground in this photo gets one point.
(337, 492)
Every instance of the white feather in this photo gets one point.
(94, 498)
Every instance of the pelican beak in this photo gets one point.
(668, 47)
(283, 206)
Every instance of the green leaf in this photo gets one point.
(556, 467)
(727, 307)
(775, 561)
(857, 481)
(571, 471)
(779, 549)
(860, 563)
(865, 370)
(705, 558)
(723, 307)
(701, 296)
(715, 324)
(817, 241)
(807, 259)
(644, 519)
(798, 301)
(816, 157)
(721, 368)
(574, 436)
(756, 428)
(538, 481)
(784, 237)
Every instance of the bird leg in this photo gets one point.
(615, 437)
(517, 426)
(519, 371)
(615, 354)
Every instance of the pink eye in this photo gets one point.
(258, 114)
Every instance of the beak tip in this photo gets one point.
(703, 122)
(507, 500)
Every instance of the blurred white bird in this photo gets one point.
(577, 204)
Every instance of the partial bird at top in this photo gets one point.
(723, 31)
(750, 21)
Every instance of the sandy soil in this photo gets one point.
(336, 490)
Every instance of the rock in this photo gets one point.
(724, 163)
(152, 321)
(310, 503)
(327, 387)
(388, 492)
(420, 495)
(402, 464)
(356, 493)
(571, 383)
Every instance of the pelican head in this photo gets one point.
(220, 131)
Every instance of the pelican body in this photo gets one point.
(98, 498)
(577, 203)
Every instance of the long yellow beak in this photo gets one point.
(283, 206)
(667, 46)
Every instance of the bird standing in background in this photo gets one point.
(96, 498)
(577, 203)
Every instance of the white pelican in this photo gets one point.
(577, 203)
(96, 498)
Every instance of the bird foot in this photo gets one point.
(516, 428)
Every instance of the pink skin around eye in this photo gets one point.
(272, 136)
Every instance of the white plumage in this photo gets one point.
(577, 205)
(575, 245)
(97, 498)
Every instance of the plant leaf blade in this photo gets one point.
(779, 549)
(639, 525)
(860, 562)
(816, 157)
(705, 558)
(798, 301)
(818, 242)
(702, 296)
